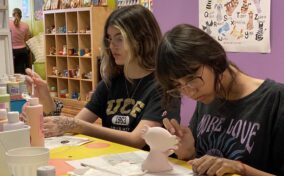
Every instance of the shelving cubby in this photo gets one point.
(73, 64)
(49, 21)
(72, 23)
(49, 44)
(61, 63)
(72, 42)
(60, 22)
(85, 87)
(74, 87)
(60, 43)
(50, 64)
(72, 45)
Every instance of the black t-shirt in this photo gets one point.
(121, 104)
(250, 129)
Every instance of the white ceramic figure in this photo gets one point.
(161, 144)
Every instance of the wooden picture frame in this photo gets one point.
(75, 3)
(54, 4)
(86, 3)
(64, 4)
(47, 5)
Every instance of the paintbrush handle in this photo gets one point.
(100, 168)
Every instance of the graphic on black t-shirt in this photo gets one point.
(230, 138)
(123, 112)
(250, 128)
(120, 120)
(111, 103)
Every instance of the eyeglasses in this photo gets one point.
(116, 41)
(194, 82)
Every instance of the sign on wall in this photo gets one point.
(239, 25)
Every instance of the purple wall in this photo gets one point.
(170, 13)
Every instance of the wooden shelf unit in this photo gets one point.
(78, 30)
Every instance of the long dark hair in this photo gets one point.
(17, 14)
(141, 34)
(183, 49)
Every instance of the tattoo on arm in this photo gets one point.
(67, 124)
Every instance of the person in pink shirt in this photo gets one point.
(20, 34)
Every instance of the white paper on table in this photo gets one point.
(54, 142)
(126, 164)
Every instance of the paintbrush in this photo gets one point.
(100, 168)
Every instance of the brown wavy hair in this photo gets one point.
(141, 34)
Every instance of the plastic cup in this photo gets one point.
(24, 161)
(10, 140)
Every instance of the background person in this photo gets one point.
(20, 34)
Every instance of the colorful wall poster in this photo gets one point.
(239, 25)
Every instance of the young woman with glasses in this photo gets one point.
(238, 123)
(128, 97)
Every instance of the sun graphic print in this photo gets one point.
(219, 144)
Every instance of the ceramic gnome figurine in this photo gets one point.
(161, 144)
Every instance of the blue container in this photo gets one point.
(16, 105)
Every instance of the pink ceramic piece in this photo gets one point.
(161, 142)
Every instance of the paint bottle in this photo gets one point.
(13, 88)
(3, 114)
(13, 122)
(22, 84)
(34, 112)
(3, 82)
(4, 99)
(3, 118)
